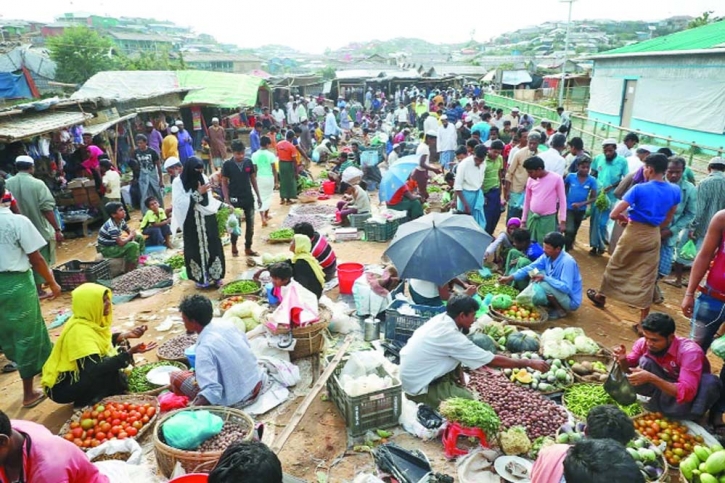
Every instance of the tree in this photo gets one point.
(159, 60)
(704, 19)
(328, 73)
(80, 53)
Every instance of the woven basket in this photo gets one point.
(276, 241)
(195, 461)
(543, 319)
(160, 357)
(310, 338)
(127, 398)
(160, 389)
(607, 360)
(256, 293)
(303, 198)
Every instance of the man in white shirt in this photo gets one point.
(430, 123)
(302, 112)
(401, 115)
(331, 127)
(447, 142)
(636, 161)
(293, 116)
(430, 363)
(554, 162)
(467, 186)
(278, 115)
(420, 173)
(624, 149)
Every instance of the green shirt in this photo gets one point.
(263, 159)
(492, 175)
(33, 198)
(151, 218)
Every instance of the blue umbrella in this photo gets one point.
(396, 176)
(438, 247)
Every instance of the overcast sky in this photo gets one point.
(330, 23)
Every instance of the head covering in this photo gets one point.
(149, 124)
(716, 161)
(432, 133)
(87, 333)
(174, 129)
(644, 148)
(191, 178)
(171, 162)
(303, 249)
(515, 109)
(513, 222)
(609, 141)
(179, 122)
(444, 117)
(214, 119)
(24, 159)
(459, 125)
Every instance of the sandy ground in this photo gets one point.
(320, 442)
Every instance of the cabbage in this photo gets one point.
(558, 350)
(585, 345)
(243, 310)
(571, 333)
(238, 323)
(267, 258)
(249, 324)
(555, 334)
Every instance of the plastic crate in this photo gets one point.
(358, 220)
(381, 232)
(399, 327)
(376, 410)
(369, 158)
(75, 273)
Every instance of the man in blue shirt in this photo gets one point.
(255, 138)
(483, 127)
(558, 276)
(581, 190)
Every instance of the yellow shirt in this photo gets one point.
(169, 147)
(151, 218)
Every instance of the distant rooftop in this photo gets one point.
(219, 57)
(140, 36)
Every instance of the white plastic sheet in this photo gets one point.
(606, 94)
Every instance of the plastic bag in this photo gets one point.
(169, 401)
(121, 472)
(188, 429)
(718, 347)
(532, 295)
(118, 446)
(362, 363)
(688, 250)
(409, 421)
(619, 387)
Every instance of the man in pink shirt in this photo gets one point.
(544, 196)
(30, 453)
(673, 371)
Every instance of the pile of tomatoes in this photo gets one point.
(109, 421)
(658, 429)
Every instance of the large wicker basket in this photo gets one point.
(604, 358)
(161, 357)
(543, 319)
(195, 461)
(310, 338)
(137, 399)
(160, 389)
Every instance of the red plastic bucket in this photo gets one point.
(328, 187)
(191, 478)
(347, 273)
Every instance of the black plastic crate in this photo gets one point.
(358, 220)
(399, 327)
(381, 232)
(75, 273)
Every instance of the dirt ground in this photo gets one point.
(320, 442)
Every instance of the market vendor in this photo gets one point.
(427, 293)
(155, 224)
(405, 200)
(344, 161)
(86, 361)
(603, 422)
(497, 251)
(297, 306)
(321, 249)
(673, 371)
(430, 363)
(306, 270)
(226, 372)
(112, 243)
(356, 201)
(558, 276)
(30, 453)
(525, 251)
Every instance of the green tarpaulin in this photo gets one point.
(220, 88)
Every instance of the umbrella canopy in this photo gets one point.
(396, 176)
(438, 247)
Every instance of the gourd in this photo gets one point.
(484, 342)
(522, 342)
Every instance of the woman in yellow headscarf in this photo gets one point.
(85, 363)
(306, 270)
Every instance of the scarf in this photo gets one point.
(303, 248)
(87, 333)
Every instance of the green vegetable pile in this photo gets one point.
(282, 234)
(137, 381)
(304, 183)
(581, 398)
(221, 220)
(475, 277)
(602, 202)
(243, 287)
(491, 286)
(471, 414)
(175, 261)
(434, 189)
(323, 174)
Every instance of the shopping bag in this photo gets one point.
(619, 387)
(688, 250)
(532, 295)
(188, 429)
(718, 347)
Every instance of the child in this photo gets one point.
(358, 202)
(581, 191)
(234, 221)
(155, 224)
(206, 155)
(498, 250)
(524, 252)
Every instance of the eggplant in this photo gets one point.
(653, 472)
(567, 428)
(580, 427)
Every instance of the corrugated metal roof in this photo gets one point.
(710, 36)
(30, 125)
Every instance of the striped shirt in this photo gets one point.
(322, 251)
(710, 200)
(110, 232)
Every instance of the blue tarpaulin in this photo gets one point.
(14, 86)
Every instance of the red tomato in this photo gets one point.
(132, 431)
(115, 430)
(150, 411)
(90, 432)
(100, 435)
(77, 432)
(106, 427)
(75, 424)
(69, 437)
(94, 414)
(122, 435)
(116, 415)
(125, 406)
(107, 414)
(145, 419)
(147, 405)
(78, 442)
(94, 443)
(123, 417)
(131, 407)
(116, 422)
(86, 415)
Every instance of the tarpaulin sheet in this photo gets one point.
(606, 95)
(129, 85)
(14, 86)
(697, 104)
(220, 89)
(515, 77)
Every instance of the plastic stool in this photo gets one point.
(450, 439)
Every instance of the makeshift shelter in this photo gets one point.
(25, 73)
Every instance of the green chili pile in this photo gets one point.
(137, 381)
(241, 287)
(581, 398)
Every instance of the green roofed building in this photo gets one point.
(672, 85)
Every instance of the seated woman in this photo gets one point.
(427, 293)
(497, 251)
(405, 200)
(298, 306)
(524, 252)
(85, 364)
(321, 249)
(355, 201)
(155, 224)
(112, 243)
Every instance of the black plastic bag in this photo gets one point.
(619, 387)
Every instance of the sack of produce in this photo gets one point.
(127, 450)
(189, 429)
(718, 347)
(688, 251)
(619, 387)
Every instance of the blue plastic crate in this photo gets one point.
(400, 327)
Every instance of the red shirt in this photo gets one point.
(286, 151)
(684, 362)
(398, 196)
(716, 276)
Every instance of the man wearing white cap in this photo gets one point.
(446, 142)
(186, 144)
(636, 161)
(217, 143)
(331, 127)
(170, 145)
(36, 202)
(609, 168)
(154, 136)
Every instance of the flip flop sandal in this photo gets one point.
(10, 367)
(672, 283)
(592, 295)
(34, 403)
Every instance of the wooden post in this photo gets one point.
(594, 134)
